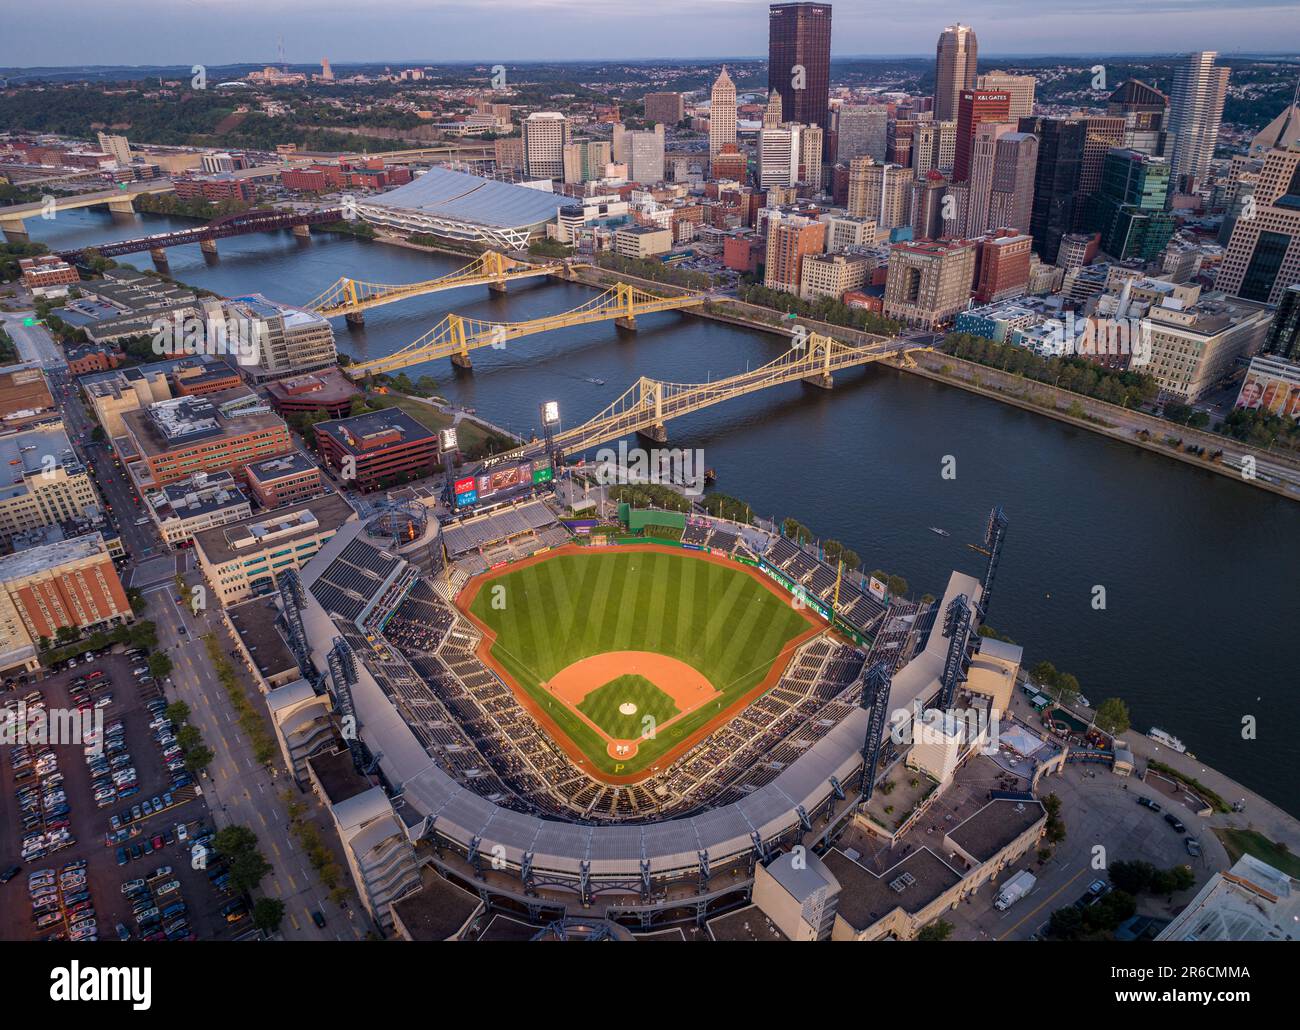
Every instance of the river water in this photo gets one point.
(1201, 574)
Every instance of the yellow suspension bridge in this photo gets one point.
(650, 403)
(352, 297)
(455, 336)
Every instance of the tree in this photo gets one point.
(160, 664)
(198, 759)
(1044, 674)
(188, 738)
(268, 914)
(1132, 877)
(233, 839)
(1066, 923)
(1067, 688)
(247, 868)
(939, 930)
(178, 712)
(1112, 716)
(896, 585)
(66, 634)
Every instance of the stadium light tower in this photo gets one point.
(875, 695)
(550, 419)
(447, 444)
(956, 627)
(993, 535)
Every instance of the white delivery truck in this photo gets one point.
(1015, 889)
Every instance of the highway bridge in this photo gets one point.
(650, 403)
(13, 218)
(352, 297)
(240, 224)
(455, 336)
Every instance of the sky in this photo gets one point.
(213, 32)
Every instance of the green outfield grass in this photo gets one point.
(601, 706)
(712, 617)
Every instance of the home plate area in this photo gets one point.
(627, 696)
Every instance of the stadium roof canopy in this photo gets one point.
(464, 206)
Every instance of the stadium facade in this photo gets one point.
(460, 206)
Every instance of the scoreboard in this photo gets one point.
(494, 484)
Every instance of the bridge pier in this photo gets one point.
(654, 434)
(159, 255)
(821, 380)
(15, 232)
(627, 322)
(461, 360)
(357, 318)
(122, 206)
(208, 247)
(498, 287)
(303, 232)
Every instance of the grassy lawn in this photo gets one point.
(475, 440)
(1249, 842)
(602, 705)
(712, 617)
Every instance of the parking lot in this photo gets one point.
(141, 822)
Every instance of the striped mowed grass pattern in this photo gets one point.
(713, 617)
(602, 705)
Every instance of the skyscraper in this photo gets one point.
(1195, 112)
(778, 157)
(983, 158)
(1129, 208)
(1014, 163)
(880, 192)
(1263, 255)
(669, 108)
(1056, 179)
(772, 114)
(722, 114)
(1146, 117)
(1021, 88)
(954, 69)
(974, 107)
(799, 60)
(545, 134)
(863, 130)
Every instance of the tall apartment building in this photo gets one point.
(1020, 88)
(880, 192)
(1056, 180)
(1003, 266)
(929, 282)
(42, 481)
(974, 107)
(1263, 255)
(665, 108)
(863, 131)
(790, 239)
(722, 115)
(545, 134)
(509, 153)
(1196, 109)
(1011, 198)
(1129, 207)
(1145, 111)
(116, 147)
(779, 154)
(290, 341)
(955, 58)
(586, 161)
(799, 60)
(69, 584)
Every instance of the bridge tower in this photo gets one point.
(456, 333)
(652, 398)
(350, 293)
(819, 355)
(496, 264)
(628, 304)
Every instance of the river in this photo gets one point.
(1201, 574)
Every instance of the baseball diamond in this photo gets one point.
(679, 635)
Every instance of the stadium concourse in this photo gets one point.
(478, 776)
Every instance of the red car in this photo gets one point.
(158, 842)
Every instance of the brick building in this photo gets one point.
(378, 448)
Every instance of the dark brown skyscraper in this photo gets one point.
(799, 61)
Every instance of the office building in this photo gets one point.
(586, 161)
(1283, 338)
(1056, 180)
(1011, 198)
(25, 398)
(879, 192)
(790, 239)
(329, 392)
(377, 449)
(642, 241)
(1196, 109)
(509, 153)
(665, 108)
(642, 152)
(1019, 87)
(799, 60)
(1263, 255)
(772, 116)
(544, 135)
(1002, 266)
(202, 501)
(845, 231)
(287, 340)
(1145, 111)
(722, 116)
(810, 156)
(832, 275)
(729, 163)
(116, 147)
(934, 147)
(900, 140)
(1129, 207)
(975, 107)
(66, 585)
(1194, 347)
(222, 432)
(927, 205)
(1252, 901)
(863, 131)
(43, 482)
(1077, 249)
(955, 58)
(779, 154)
(982, 168)
(284, 479)
(929, 282)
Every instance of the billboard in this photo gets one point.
(1273, 386)
(499, 482)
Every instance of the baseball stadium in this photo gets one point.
(587, 720)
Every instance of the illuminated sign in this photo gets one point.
(469, 497)
(462, 485)
(543, 474)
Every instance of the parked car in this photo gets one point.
(1148, 803)
(1193, 846)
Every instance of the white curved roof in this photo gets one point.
(454, 196)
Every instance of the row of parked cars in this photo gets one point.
(61, 904)
(157, 907)
(42, 801)
(1192, 845)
